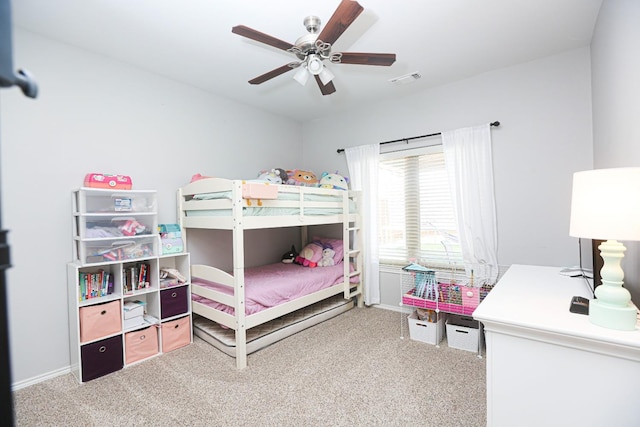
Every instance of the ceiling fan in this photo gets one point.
(312, 49)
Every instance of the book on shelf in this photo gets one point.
(94, 284)
(136, 277)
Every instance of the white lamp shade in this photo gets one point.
(302, 75)
(314, 64)
(605, 204)
(325, 75)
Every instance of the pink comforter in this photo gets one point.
(269, 285)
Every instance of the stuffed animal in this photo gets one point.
(333, 180)
(327, 257)
(270, 176)
(198, 177)
(290, 256)
(282, 174)
(302, 177)
(309, 255)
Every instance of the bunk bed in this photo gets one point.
(229, 308)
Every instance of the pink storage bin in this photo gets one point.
(141, 344)
(176, 334)
(100, 320)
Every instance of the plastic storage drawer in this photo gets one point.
(141, 344)
(96, 226)
(117, 249)
(100, 320)
(176, 334)
(108, 201)
(174, 301)
(101, 358)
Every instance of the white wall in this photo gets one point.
(616, 103)
(97, 115)
(545, 135)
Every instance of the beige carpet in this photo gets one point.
(353, 370)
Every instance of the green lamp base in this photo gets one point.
(613, 317)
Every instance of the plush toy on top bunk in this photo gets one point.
(274, 176)
(302, 177)
(333, 180)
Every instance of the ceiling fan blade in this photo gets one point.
(382, 59)
(252, 34)
(327, 89)
(271, 74)
(345, 14)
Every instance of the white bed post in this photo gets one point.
(238, 275)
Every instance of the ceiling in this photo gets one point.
(191, 41)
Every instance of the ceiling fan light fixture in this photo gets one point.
(314, 64)
(325, 75)
(302, 75)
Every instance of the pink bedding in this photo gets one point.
(269, 285)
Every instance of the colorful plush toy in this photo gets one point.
(270, 176)
(333, 180)
(312, 254)
(327, 257)
(302, 177)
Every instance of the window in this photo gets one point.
(416, 216)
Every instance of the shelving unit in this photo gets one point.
(423, 288)
(110, 271)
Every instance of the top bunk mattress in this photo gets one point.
(215, 197)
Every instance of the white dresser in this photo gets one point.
(549, 367)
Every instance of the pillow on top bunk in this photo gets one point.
(336, 245)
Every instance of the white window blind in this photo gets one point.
(416, 215)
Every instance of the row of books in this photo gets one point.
(136, 277)
(95, 285)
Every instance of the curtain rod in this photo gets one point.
(340, 150)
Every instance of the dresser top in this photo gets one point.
(533, 302)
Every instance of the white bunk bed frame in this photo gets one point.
(238, 222)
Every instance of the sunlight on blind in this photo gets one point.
(417, 220)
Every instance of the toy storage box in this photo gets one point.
(463, 332)
(429, 332)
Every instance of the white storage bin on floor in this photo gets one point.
(429, 332)
(463, 332)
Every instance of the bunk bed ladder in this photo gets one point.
(353, 255)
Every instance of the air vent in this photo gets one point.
(406, 79)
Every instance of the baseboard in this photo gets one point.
(40, 378)
(394, 308)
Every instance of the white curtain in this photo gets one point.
(470, 168)
(363, 173)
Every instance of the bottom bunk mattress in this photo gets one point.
(270, 285)
(275, 330)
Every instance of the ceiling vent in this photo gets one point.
(406, 79)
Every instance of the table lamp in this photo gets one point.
(605, 204)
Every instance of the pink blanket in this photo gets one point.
(269, 285)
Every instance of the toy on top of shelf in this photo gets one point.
(101, 180)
